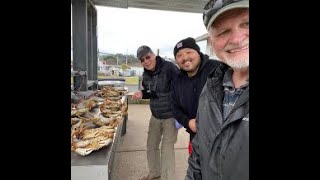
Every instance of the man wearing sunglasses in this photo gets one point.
(156, 82)
(194, 69)
(221, 145)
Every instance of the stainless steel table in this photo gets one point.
(98, 165)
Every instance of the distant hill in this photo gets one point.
(132, 61)
(114, 59)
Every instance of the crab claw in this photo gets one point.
(105, 142)
(82, 144)
(83, 151)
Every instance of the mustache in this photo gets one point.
(185, 60)
(232, 46)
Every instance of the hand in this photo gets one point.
(192, 125)
(137, 95)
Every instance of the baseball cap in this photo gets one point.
(215, 8)
(142, 51)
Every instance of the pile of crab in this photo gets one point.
(94, 120)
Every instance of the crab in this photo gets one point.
(84, 141)
(78, 112)
(98, 119)
(86, 147)
(105, 131)
(110, 105)
(95, 120)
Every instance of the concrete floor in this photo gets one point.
(131, 157)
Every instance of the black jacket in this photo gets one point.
(157, 87)
(186, 91)
(220, 147)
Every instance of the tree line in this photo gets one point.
(114, 59)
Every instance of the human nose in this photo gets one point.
(183, 56)
(239, 35)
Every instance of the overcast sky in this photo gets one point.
(124, 30)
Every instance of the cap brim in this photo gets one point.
(240, 4)
(143, 53)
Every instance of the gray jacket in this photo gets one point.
(220, 148)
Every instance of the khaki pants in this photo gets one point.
(161, 130)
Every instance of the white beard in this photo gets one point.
(239, 63)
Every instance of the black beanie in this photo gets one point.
(186, 43)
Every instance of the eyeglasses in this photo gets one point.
(145, 58)
(214, 6)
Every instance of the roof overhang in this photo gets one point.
(193, 6)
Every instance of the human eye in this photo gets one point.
(222, 33)
(245, 24)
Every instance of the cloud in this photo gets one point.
(124, 30)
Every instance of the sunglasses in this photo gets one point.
(214, 6)
(145, 58)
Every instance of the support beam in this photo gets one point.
(94, 45)
(90, 52)
(80, 42)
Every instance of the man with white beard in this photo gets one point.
(221, 145)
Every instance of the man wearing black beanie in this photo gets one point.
(186, 43)
(194, 69)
